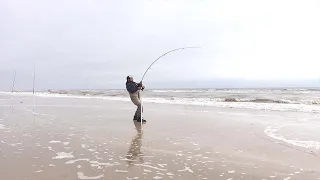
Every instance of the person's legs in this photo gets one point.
(138, 112)
(137, 102)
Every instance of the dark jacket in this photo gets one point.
(132, 87)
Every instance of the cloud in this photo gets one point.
(95, 44)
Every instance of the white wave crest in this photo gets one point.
(271, 131)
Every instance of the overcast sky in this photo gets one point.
(97, 43)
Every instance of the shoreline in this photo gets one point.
(279, 107)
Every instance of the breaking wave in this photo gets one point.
(262, 100)
(296, 100)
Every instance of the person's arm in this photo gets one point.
(140, 85)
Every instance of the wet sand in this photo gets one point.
(69, 138)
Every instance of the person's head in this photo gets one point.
(129, 79)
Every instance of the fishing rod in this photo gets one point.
(33, 92)
(164, 55)
(13, 83)
(153, 64)
(14, 80)
(33, 89)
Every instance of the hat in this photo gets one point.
(128, 77)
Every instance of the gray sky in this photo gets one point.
(96, 44)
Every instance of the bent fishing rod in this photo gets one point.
(163, 56)
(154, 63)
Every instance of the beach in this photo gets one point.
(68, 138)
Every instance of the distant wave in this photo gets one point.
(310, 89)
(178, 91)
(121, 93)
(235, 90)
(261, 100)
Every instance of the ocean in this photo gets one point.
(291, 100)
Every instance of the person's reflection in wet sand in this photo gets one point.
(135, 146)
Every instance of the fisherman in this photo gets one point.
(133, 89)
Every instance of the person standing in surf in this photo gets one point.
(133, 89)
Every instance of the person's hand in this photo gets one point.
(142, 88)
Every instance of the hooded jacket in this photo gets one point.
(132, 87)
